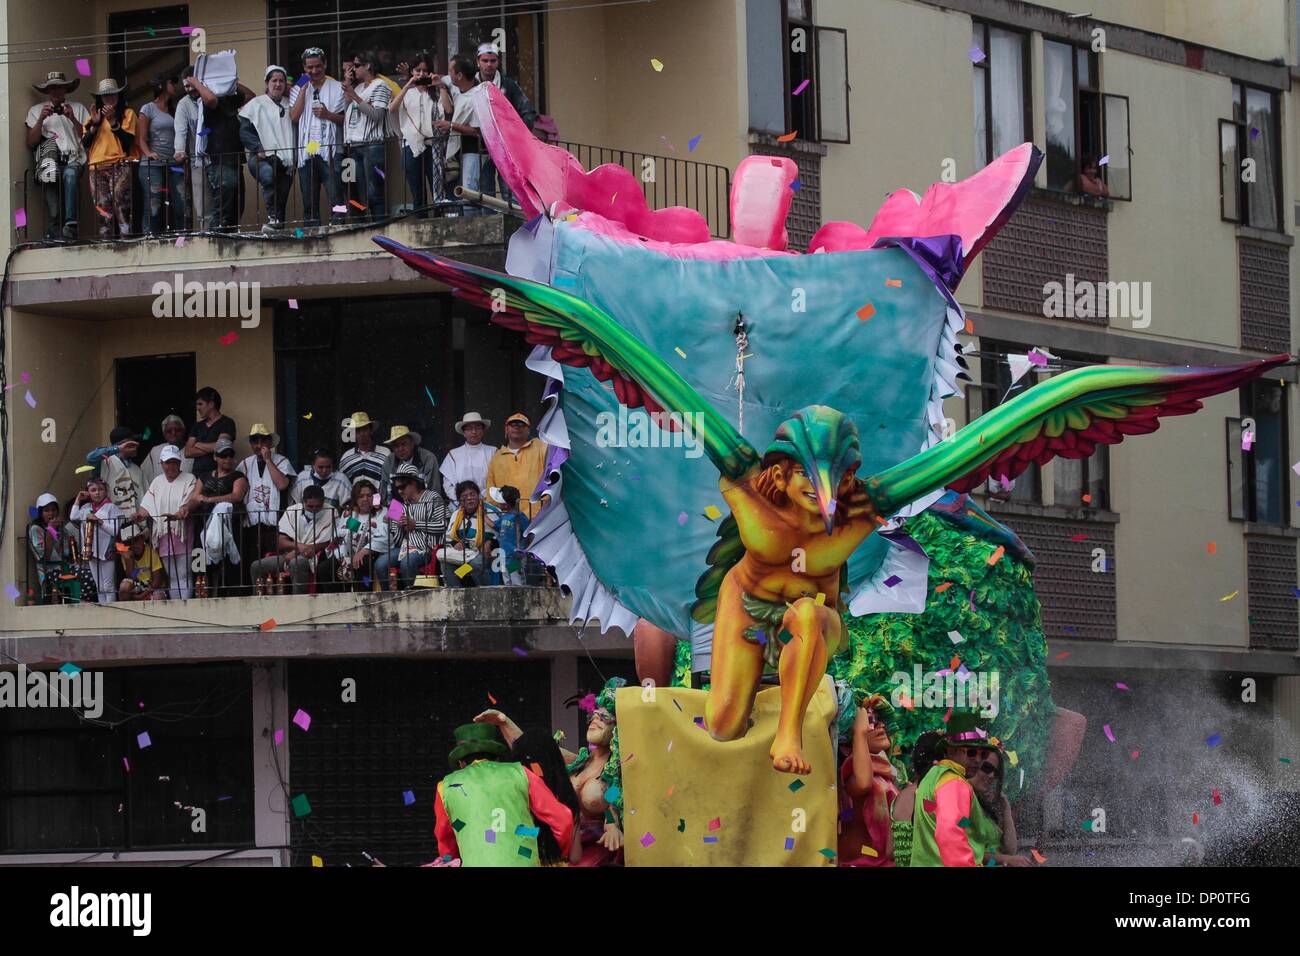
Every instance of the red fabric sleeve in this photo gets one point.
(952, 801)
(549, 810)
(442, 828)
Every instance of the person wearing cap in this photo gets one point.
(209, 425)
(93, 505)
(173, 433)
(519, 462)
(307, 536)
(268, 136)
(468, 462)
(949, 825)
(365, 458)
(50, 547)
(321, 474)
(405, 445)
(115, 461)
(489, 62)
(414, 535)
(54, 130)
(167, 502)
(317, 107)
(109, 137)
(269, 477)
(470, 800)
(215, 499)
(224, 151)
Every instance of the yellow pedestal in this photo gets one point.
(681, 787)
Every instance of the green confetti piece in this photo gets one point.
(145, 436)
(612, 795)
(151, 31)
(301, 805)
(681, 825)
(526, 853)
(964, 822)
(353, 524)
(796, 786)
(458, 825)
(827, 852)
(785, 637)
(1087, 824)
(1284, 759)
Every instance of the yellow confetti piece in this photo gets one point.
(463, 570)
(821, 599)
(712, 513)
(866, 312)
(571, 217)
(1229, 597)
(658, 66)
(1011, 755)
(679, 352)
(894, 283)
(316, 861)
(867, 851)
(426, 581)
(85, 468)
(308, 416)
(313, 148)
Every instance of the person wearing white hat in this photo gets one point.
(49, 546)
(269, 476)
(469, 462)
(54, 130)
(268, 135)
(406, 449)
(489, 62)
(167, 502)
(365, 458)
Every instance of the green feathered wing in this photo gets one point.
(1066, 416)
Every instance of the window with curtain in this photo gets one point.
(1251, 192)
(1087, 130)
(817, 65)
(1000, 94)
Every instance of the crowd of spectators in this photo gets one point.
(197, 521)
(185, 148)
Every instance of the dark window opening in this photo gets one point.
(145, 43)
(1258, 470)
(149, 389)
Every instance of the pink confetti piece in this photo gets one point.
(693, 142)
(395, 510)
(647, 840)
(1247, 439)
(180, 241)
(186, 31)
(1121, 686)
(127, 764)
(1036, 358)
(229, 338)
(20, 218)
(682, 516)
(25, 376)
(1217, 797)
(279, 736)
(796, 91)
(293, 303)
(302, 719)
(1110, 734)
(1134, 755)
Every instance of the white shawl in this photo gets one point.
(166, 498)
(274, 129)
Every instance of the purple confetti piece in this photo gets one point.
(699, 722)
(302, 719)
(647, 839)
(795, 185)
(971, 598)
(34, 512)
(380, 172)
(681, 518)
(127, 764)
(1296, 592)
(142, 739)
(1104, 160)
(490, 836)
(20, 218)
(710, 839)
(1037, 358)
(976, 55)
(520, 651)
(903, 540)
(408, 797)
(761, 638)
(186, 31)
(365, 582)
(1110, 734)
(279, 737)
(1254, 132)
(789, 843)
(800, 88)
(693, 142)
(11, 592)
(1214, 740)
(30, 399)
(26, 377)
(892, 580)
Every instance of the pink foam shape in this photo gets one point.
(760, 201)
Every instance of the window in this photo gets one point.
(144, 43)
(1084, 127)
(994, 388)
(1082, 482)
(1250, 182)
(820, 56)
(1258, 482)
(1001, 91)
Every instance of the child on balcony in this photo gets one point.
(511, 525)
(143, 577)
(93, 505)
(49, 545)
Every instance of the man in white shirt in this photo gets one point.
(307, 531)
(489, 62)
(54, 131)
(464, 140)
(317, 107)
(470, 461)
(320, 473)
(365, 123)
(187, 128)
(269, 476)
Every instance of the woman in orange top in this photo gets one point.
(109, 139)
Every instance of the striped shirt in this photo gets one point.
(430, 516)
(369, 464)
(367, 124)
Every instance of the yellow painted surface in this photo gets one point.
(732, 783)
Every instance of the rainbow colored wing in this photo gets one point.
(1067, 416)
(582, 335)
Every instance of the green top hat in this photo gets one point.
(966, 729)
(477, 739)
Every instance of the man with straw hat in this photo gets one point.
(487, 812)
(54, 130)
(365, 459)
(405, 445)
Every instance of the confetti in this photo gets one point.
(648, 839)
(681, 517)
(715, 823)
(679, 352)
(492, 699)
(1254, 132)
(127, 764)
(681, 825)
(142, 740)
(279, 736)
(787, 137)
(1121, 686)
(1196, 818)
(70, 669)
(308, 416)
(943, 587)
(894, 283)
(313, 147)
(976, 55)
(656, 65)
(1079, 537)
(1216, 797)
(430, 394)
(1038, 857)
(352, 202)
(929, 806)
(302, 806)
(186, 31)
(996, 556)
(1063, 655)
(693, 142)
(525, 852)
(1110, 734)
(83, 66)
(821, 599)
(463, 570)
(796, 786)
(1229, 597)
(229, 338)
(866, 312)
(1011, 755)
(490, 836)
(20, 217)
(302, 719)
(789, 843)
(794, 186)
(520, 651)
(30, 399)
(1087, 499)
(1214, 740)
(180, 241)
(293, 303)
(1134, 755)
(955, 637)
(970, 327)
(827, 852)
(83, 469)
(524, 831)
(800, 88)
(457, 825)
(12, 592)
(964, 823)
(1284, 759)
(712, 513)
(317, 861)
(151, 31)
(1247, 439)
(1104, 161)
(267, 625)
(892, 580)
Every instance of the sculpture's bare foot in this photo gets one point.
(787, 757)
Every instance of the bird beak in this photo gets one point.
(824, 489)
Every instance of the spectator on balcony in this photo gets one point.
(464, 143)
(307, 532)
(365, 122)
(319, 161)
(470, 461)
(224, 151)
(489, 62)
(54, 131)
(269, 476)
(1090, 181)
(424, 110)
(94, 506)
(321, 474)
(470, 539)
(50, 547)
(116, 464)
(167, 503)
(224, 486)
(363, 535)
(365, 458)
(186, 120)
(519, 462)
(210, 426)
(406, 450)
(139, 567)
(267, 134)
(511, 526)
(173, 433)
(157, 133)
(413, 536)
(109, 138)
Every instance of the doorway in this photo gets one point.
(150, 388)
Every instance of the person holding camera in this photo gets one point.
(54, 132)
(110, 143)
(363, 127)
(424, 110)
(266, 131)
